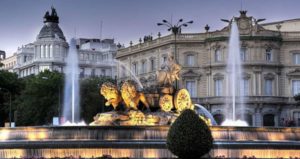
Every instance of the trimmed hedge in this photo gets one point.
(189, 136)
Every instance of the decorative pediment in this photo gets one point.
(295, 72)
(218, 76)
(269, 76)
(246, 76)
(190, 73)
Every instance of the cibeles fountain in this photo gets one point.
(170, 101)
(138, 126)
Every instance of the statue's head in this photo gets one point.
(109, 91)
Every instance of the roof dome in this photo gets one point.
(51, 28)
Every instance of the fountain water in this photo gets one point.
(234, 68)
(71, 90)
(204, 112)
(121, 65)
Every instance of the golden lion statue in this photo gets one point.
(131, 96)
(111, 94)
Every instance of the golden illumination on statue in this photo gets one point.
(131, 96)
(169, 73)
(111, 94)
(166, 103)
(170, 105)
(183, 100)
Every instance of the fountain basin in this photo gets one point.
(142, 141)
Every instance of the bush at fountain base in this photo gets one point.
(189, 136)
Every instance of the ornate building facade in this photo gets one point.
(51, 48)
(270, 61)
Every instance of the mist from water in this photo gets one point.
(123, 67)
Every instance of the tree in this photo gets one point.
(189, 136)
(91, 100)
(38, 102)
(10, 85)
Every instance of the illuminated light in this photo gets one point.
(4, 134)
(36, 134)
(68, 123)
(257, 153)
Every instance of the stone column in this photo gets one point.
(258, 115)
(259, 92)
(42, 51)
(46, 51)
(253, 92)
(51, 51)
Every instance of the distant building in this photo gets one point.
(51, 48)
(271, 68)
(2, 55)
(9, 62)
(96, 57)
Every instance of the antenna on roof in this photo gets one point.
(75, 32)
(101, 30)
(241, 4)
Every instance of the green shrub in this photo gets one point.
(189, 136)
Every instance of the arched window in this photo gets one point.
(269, 120)
(144, 66)
(295, 87)
(269, 56)
(190, 85)
(219, 118)
(190, 60)
(218, 55)
(268, 84)
(134, 68)
(243, 54)
(296, 116)
(244, 87)
(296, 58)
(152, 64)
(248, 118)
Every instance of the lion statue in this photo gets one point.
(111, 94)
(131, 96)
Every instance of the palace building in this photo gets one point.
(270, 60)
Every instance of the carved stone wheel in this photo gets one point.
(166, 102)
(182, 100)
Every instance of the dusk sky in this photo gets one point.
(126, 20)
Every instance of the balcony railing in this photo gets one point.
(247, 99)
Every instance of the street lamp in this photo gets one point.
(176, 29)
(9, 104)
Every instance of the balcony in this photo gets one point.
(247, 99)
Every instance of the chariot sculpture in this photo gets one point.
(171, 102)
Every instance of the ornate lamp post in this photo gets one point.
(176, 29)
(9, 104)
